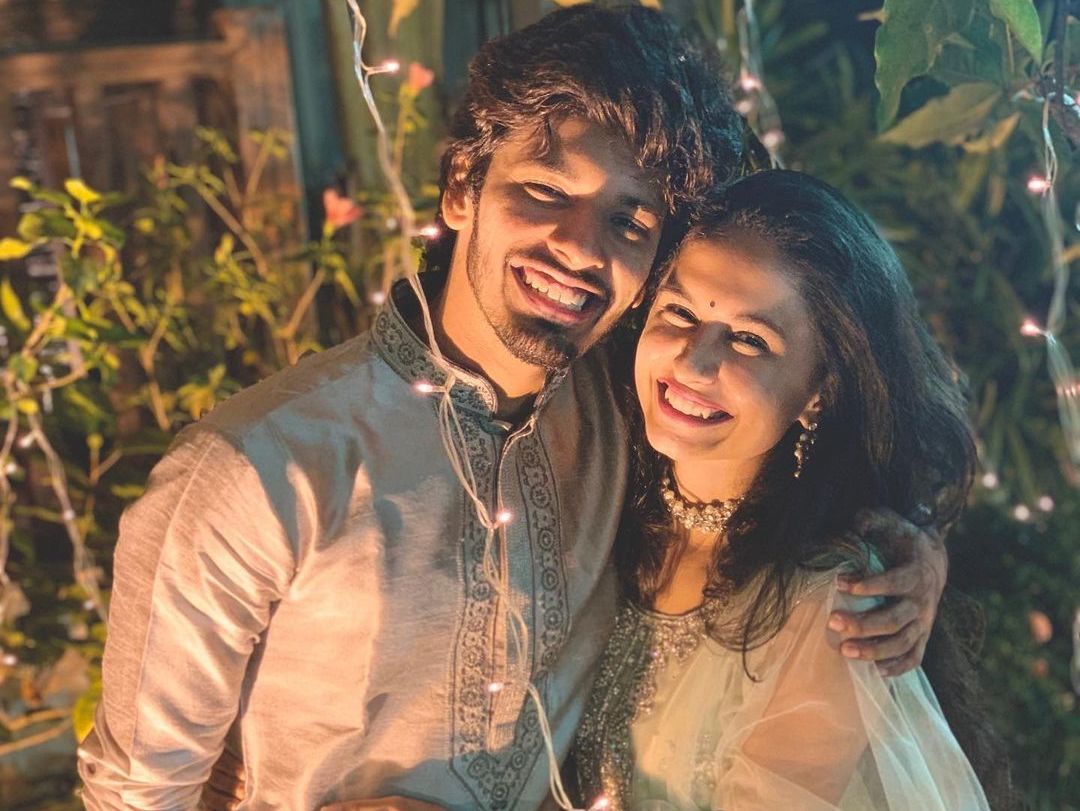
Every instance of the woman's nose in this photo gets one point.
(701, 357)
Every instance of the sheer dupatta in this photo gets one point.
(814, 732)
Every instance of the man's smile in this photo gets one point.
(557, 296)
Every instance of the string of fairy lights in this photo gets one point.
(494, 521)
(757, 105)
(1062, 372)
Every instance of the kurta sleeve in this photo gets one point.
(821, 732)
(202, 557)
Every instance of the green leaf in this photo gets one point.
(85, 405)
(347, 287)
(23, 368)
(55, 224)
(12, 307)
(82, 715)
(994, 138)
(1023, 22)
(948, 118)
(31, 227)
(224, 250)
(908, 42)
(80, 191)
(401, 10)
(11, 248)
(127, 491)
(218, 143)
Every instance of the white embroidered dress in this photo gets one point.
(674, 723)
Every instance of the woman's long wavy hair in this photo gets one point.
(893, 432)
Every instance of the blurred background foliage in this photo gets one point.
(926, 112)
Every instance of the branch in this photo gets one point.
(35, 740)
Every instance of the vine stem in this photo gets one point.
(241, 233)
(37, 739)
(288, 332)
(82, 563)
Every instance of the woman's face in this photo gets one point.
(728, 358)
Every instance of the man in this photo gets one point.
(306, 573)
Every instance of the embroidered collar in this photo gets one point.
(414, 362)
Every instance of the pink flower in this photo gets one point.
(1041, 627)
(419, 77)
(340, 211)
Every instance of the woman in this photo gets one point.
(784, 381)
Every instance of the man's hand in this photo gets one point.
(895, 634)
(225, 788)
(383, 804)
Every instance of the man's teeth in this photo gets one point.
(571, 299)
(688, 407)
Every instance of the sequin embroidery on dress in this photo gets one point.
(643, 645)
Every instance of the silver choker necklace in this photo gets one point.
(711, 517)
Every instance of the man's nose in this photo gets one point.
(577, 240)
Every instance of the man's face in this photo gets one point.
(558, 246)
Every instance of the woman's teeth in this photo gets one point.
(560, 294)
(688, 407)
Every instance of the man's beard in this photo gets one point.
(530, 340)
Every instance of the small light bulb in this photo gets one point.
(429, 231)
(750, 83)
(495, 687)
(504, 517)
(744, 107)
(1030, 328)
(1021, 512)
(389, 66)
(1046, 504)
(601, 803)
(1037, 184)
(9, 660)
(88, 605)
(423, 387)
(26, 441)
(378, 298)
(772, 139)
(990, 480)
(11, 468)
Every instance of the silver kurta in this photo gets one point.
(305, 570)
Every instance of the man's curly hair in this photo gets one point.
(629, 69)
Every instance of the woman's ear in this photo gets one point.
(457, 199)
(811, 415)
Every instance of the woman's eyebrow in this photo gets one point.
(763, 320)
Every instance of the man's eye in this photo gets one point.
(544, 193)
(631, 228)
(678, 315)
(750, 343)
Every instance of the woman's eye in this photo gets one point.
(678, 315)
(752, 344)
(544, 193)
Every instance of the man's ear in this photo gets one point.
(457, 199)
